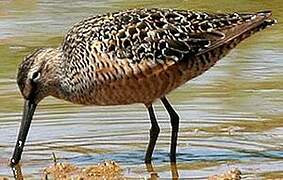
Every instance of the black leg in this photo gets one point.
(154, 131)
(174, 118)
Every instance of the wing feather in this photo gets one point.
(148, 36)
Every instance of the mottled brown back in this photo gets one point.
(142, 54)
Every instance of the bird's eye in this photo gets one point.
(35, 76)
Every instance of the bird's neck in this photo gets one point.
(71, 83)
(57, 76)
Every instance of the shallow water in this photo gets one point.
(231, 116)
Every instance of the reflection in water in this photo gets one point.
(174, 171)
(154, 175)
(17, 172)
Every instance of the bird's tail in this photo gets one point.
(235, 35)
(230, 38)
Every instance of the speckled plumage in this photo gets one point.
(132, 56)
(137, 56)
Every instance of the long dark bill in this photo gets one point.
(29, 108)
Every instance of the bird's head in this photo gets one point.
(37, 74)
(37, 78)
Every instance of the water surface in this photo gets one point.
(231, 116)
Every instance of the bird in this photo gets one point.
(131, 56)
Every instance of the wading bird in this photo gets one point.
(132, 56)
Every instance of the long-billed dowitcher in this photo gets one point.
(132, 56)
